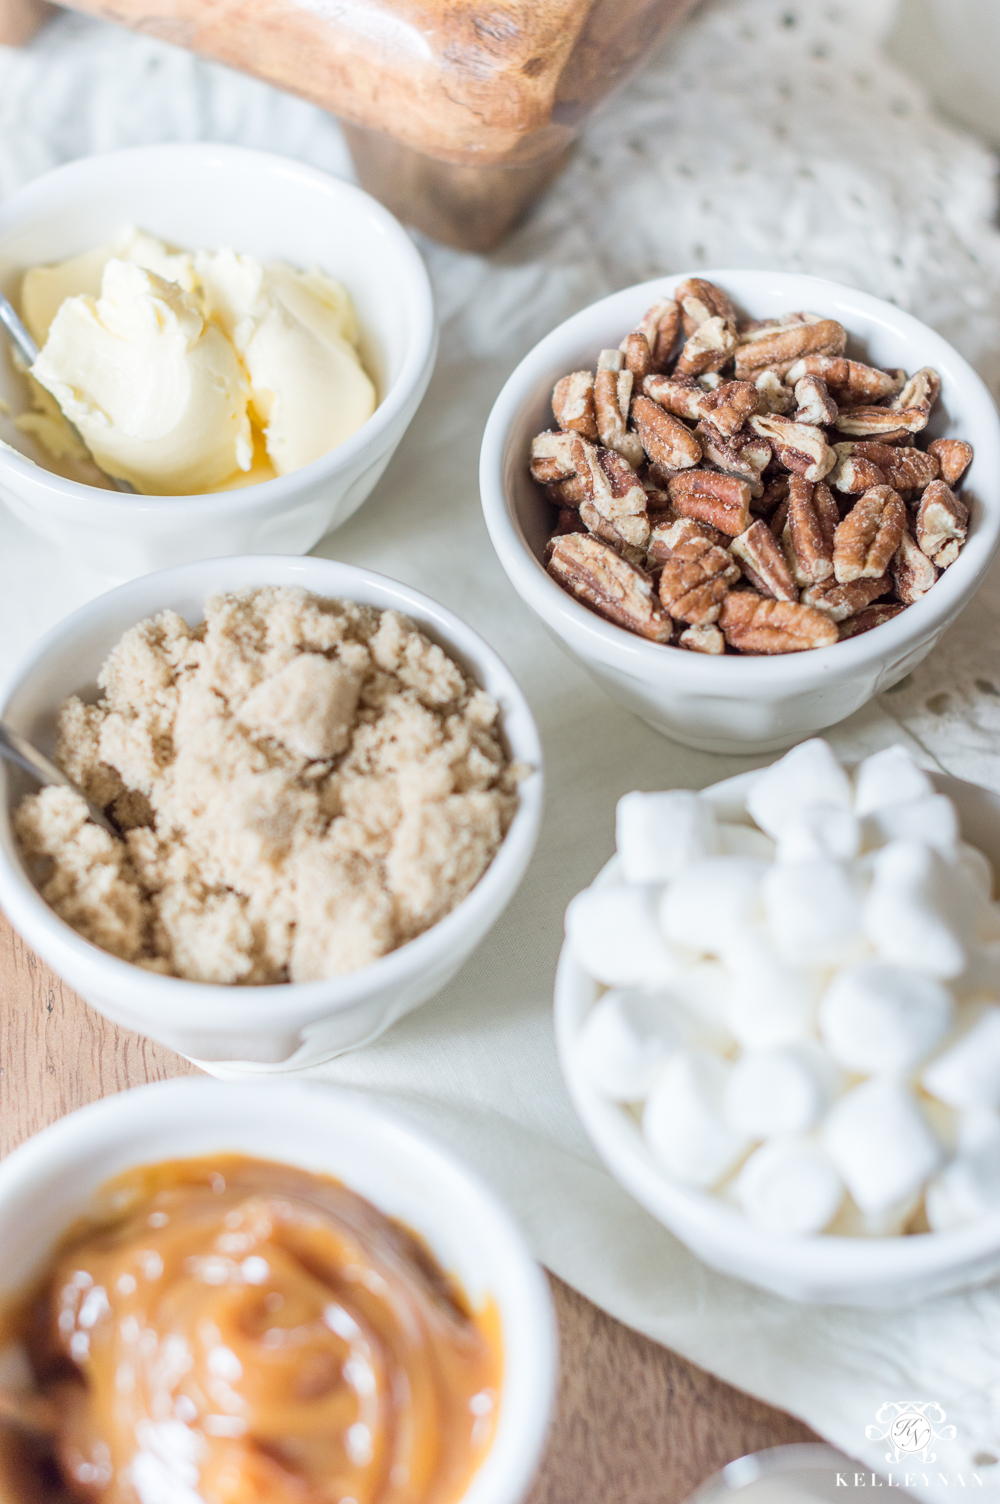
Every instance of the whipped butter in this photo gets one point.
(192, 372)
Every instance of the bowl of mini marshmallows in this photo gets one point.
(778, 1016)
(744, 501)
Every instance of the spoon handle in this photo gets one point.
(15, 749)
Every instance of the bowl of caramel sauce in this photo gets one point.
(305, 1303)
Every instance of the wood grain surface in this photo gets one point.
(634, 1423)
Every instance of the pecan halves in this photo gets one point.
(681, 395)
(612, 395)
(871, 616)
(707, 349)
(700, 301)
(954, 456)
(573, 403)
(617, 590)
(815, 405)
(763, 562)
(800, 447)
(703, 639)
(809, 531)
(921, 391)
(756, 625)
(638, 360)
(696, 573)
(942, 523)
(712, 497)
(885, 423)
(869, 535)
(850, 381)
(660, 325)
(838, 602)
(913, 574)
(742, 453)
(668, 442)
(779, 346)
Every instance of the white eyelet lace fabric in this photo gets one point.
(763, 134)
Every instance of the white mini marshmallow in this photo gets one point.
(682, 1121)
(613, 931)
(711, 901)
(658, 835)
(625, 1039)
(967, 1074)
(789, 1187)
(978, 1128)
(880, 1142)
(966, 1189)
(822, 831)
(769, 1003)
(911, 914)
(745, 840)
(786, 1090)
(814, 912)
(876, 1018)
(702, 989)
(887, 778)
(933, 820)
(807, 776)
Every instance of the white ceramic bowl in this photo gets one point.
(47, 1183)
(820, 1269)
(282, 1026)
(269, 207)
(732, 704)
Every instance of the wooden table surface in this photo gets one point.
(634, 1423)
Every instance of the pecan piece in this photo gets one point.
(617, 590)
(621, 499)
(773, 396)
(709, 496)
(954, 456)
(681, 395)
(850, 381)
(573, 403)
(763, 562)
(569, 521)
(700, 301)
(921, 391)
(864, 463)
(574, 471)
(730, 405)
(556, 456)
(942, 523)
(756, 625)
(638, 360)
(601, 528)
(815, 405)
(660, 325)
(808, 535)
(871, 616)
(657, 500)
(703, 639)
(885, 423)
(779, 346)
(668, 442)
(838, 602)
(707, 349)
(912, 572)
(696, 573)
(612, 395)
(742, 454)
(775, 492)
(854, 473)
(800, 447)
(779, 518)
(869, 535)
(569, 492)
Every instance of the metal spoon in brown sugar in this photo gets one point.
(15, 748)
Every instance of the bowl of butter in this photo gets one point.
(240, 339)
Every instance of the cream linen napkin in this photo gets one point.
(767, 134)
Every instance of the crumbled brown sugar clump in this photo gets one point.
(795, 473)
(304, 784)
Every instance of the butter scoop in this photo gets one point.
(296, 335)
(155, 390)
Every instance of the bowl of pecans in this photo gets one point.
(745, 502)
